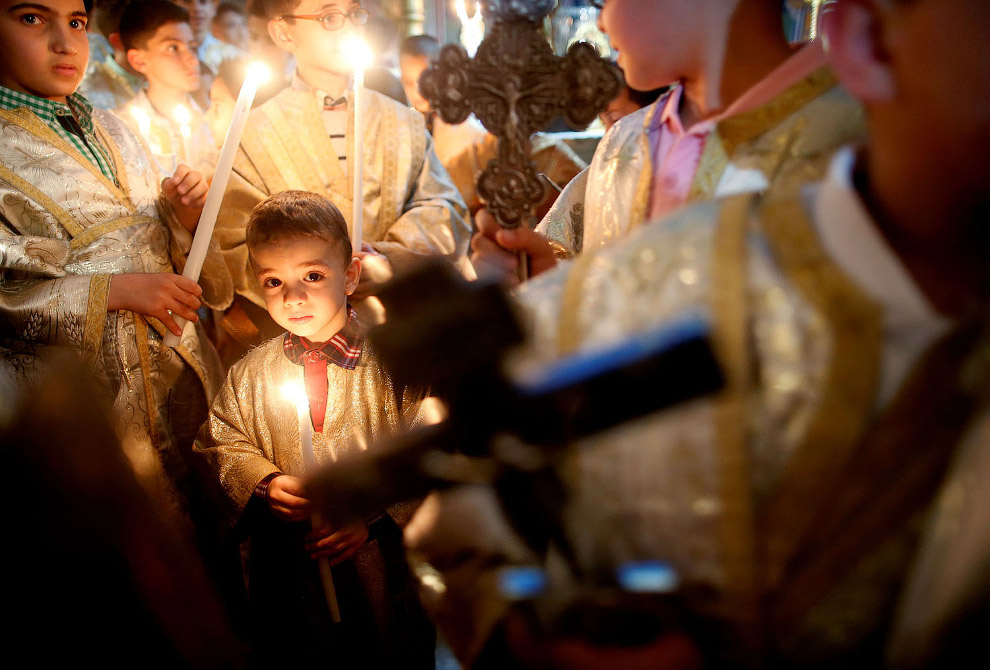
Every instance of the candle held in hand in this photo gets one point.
(257, 74)
(296, 394)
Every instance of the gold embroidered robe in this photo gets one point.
(727, 488)
(65, 230)
(720, 486)
(410, 206)
(253, 431)
(779, 145)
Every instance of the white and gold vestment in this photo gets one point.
(66, 230)
(819, 329)
(783, 143)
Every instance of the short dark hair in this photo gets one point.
(106, 15)
(141, 20)
(382, 80)
(291, 215)
(272, 9)
(420, 45)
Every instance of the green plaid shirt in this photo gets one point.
(77, 117)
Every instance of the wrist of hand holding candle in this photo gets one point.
(261, 489)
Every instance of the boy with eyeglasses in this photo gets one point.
(300, 140)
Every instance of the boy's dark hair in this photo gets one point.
(256, 8)
(272, 9)
(141, 20)
(420, 45)
(106, 15)
(293, 214)
(382, 80)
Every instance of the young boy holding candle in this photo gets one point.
(303, 139)
(300, 253)
(159, 45)
(89, 239)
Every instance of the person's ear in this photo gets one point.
(352, 276)
(853, 32)
(281, 36)
(116, 42)
(138, 60)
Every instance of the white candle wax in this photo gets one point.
(143, 121)
(298, 394)
(361, 58)
(357, 230)
(183, 117)
(257, 74)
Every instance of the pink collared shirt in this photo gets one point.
(677, 151)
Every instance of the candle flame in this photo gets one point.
(182, 115)
(295, 393)
(461, 10)
(359, 52)
(258, 72)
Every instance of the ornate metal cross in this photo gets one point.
(515, 85)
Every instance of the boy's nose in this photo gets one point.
(294, 295)
(61, 40)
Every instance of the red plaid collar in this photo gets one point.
(343, 349)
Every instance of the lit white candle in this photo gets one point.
(361, 58)
(296, 393)
(183, 117)
(143, 122)
(257, 74)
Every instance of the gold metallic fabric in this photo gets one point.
(65, 231)
(253, 430)
(788, 141)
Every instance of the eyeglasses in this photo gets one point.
(334, 20)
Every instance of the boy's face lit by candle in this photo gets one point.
(43, 47)
(316, 48)
(306, 285)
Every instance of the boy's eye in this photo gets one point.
(30, 19)
(77, 24)
(272, 282)
(313, 277)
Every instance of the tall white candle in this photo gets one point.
(257, 74)
(183, 117)
(143, 121)
(361, 59)
(297, 394)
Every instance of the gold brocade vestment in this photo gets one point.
(410, 206)
(779, 145)
(728, 488)
(252, 432)
(66, 230)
